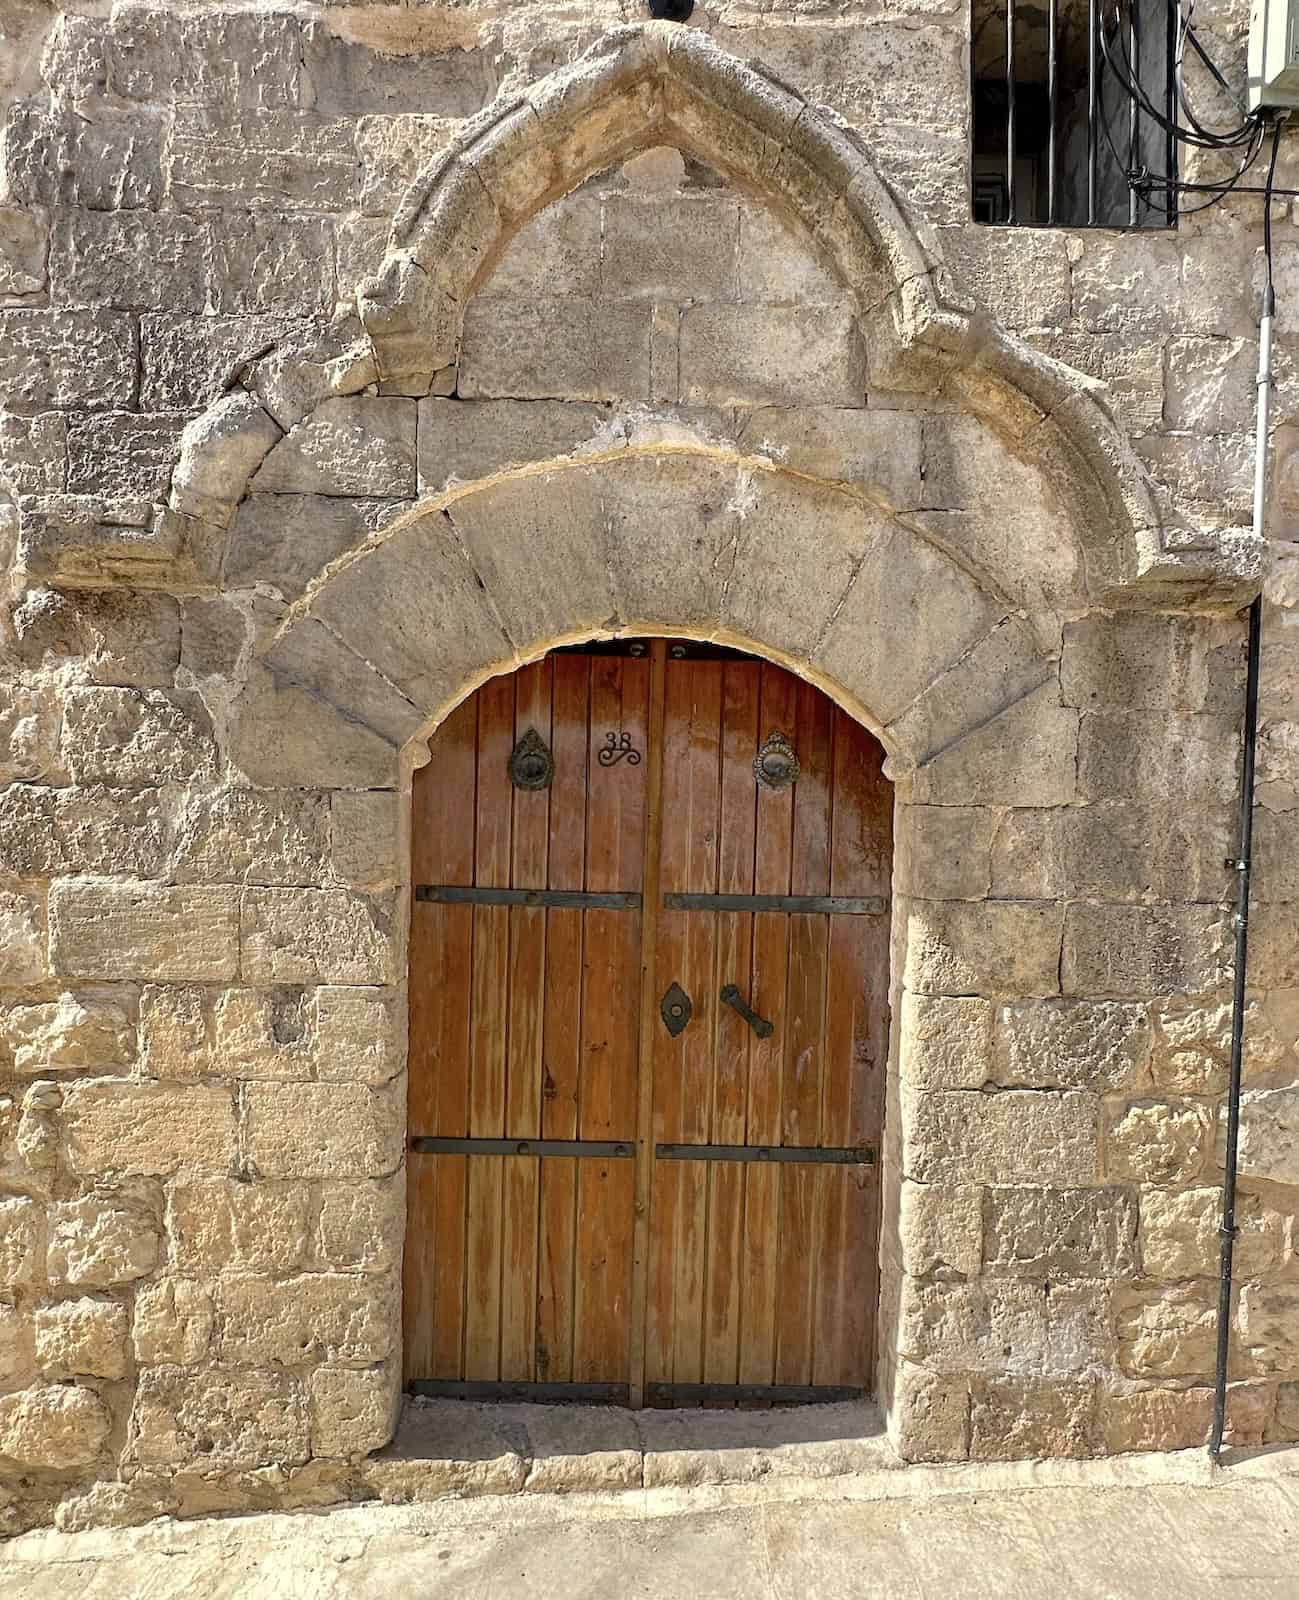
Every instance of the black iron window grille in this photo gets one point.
(1058, 139)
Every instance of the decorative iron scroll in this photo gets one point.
(531, 765)
(618, 747)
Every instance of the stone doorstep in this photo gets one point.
(461, 1448)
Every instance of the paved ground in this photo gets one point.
(1144, 1528)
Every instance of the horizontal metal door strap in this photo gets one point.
(454, 894)
(772, 1394)
(854, 1156)
(483, 1389)
(835, 905)
(424, 1145)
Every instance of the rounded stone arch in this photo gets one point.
(822, 577)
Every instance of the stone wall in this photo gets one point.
(257, 546)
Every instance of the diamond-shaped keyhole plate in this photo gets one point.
(675, 1009)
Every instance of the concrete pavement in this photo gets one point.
(1136, 1528)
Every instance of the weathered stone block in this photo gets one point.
(109, 161)
(944, 852)
(187, 361)
(463, 440)
(249, 1227)
(1060, 1232)
(1137, 660)
(77, 1032)
(63, 358)
(878, 449)
(95, 1243)
(1025, 755)
(22, 938)
(554, 350)
(1142, 950)
(353, 1412)
(104, 929)
(1153, 1141)
(425, 65)
(285, 540)
(1180, 1238)
(78, 539)
(222, 58)
(363, 838)
(932, 1414)
(17, 1355)
(174, 1319)
(762, 356)
(391, 151)
(54, 1427)
(1154, 1419)
(1014, 1418)
(1022, 276)
(29, 731)
(946, 1043)
(315, 936)
(1071, 1044)
(131, 639)
(359, 1038)
(34, 451)
(120, 453)
(265, 263)
(1192, 1043)
(81, 1338)
(214, 634)
(556, 255)
(251, 836)
(287, 160)
(49, 832)
(992, 948)
(1054, 1331)
(315, 1317)
(940, 1230)
(21, 1243)
(24, 242)
(148, 1128)
(324, 1130)
(358, 445)
(218, 1420)
(1010, 1136)
(135, 737)
(1269, 1134)
(1170, 1334)
(779, 263)
(131, 260)
(361, 1224)
(660, 248)
(1158, 758)
(1132, 370)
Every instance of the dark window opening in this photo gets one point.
(1056, 135)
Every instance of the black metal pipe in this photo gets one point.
(1010, 111)
(1093, 110)
(1052, 88)
(1134, 111)
(1241, 865)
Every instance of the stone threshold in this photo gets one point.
(463, 1448)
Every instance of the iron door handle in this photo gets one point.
(760, 1025)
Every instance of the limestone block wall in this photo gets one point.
(254, 550)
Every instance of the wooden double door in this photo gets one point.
(648, 1001)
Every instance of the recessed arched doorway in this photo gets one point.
(649, 1027)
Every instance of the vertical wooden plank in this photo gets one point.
(736, 842)
(442, 846)
(651, 878)
(804, 1042)
(530, 836)
(610, 1019)
(856, 1056)
(563, 1018)
(490, 1037)
(687, 956)
(774, 844)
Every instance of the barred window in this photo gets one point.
(1059, 141)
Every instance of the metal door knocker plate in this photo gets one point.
(776, 766)
(675, 1009)
(531, 765)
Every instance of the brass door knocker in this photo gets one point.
(776, 766)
